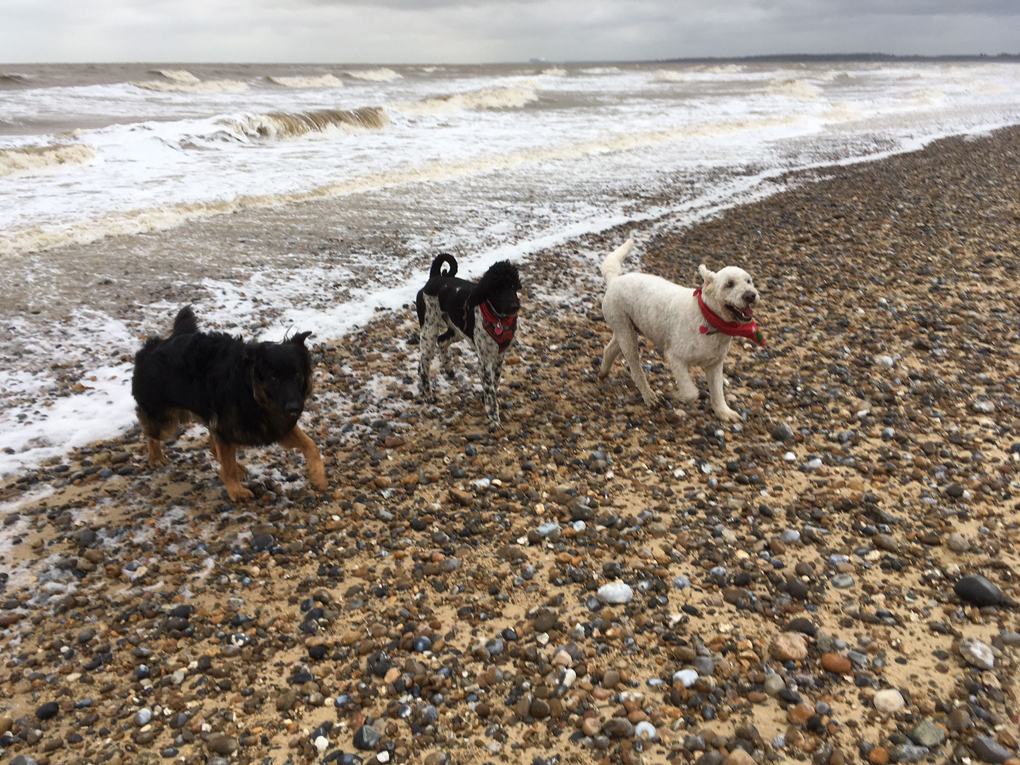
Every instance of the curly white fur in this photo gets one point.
(668, 315)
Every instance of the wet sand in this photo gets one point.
(444, 602)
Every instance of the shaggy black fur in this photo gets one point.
(448, 310)
(248, 394)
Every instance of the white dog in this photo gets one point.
(688, 326)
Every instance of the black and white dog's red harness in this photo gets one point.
(500, 329)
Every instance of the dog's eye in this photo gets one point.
(729, 284)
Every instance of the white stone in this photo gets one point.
(615, 593)
(889, 701)
(686, 676)
(645, 730)
(976, 653)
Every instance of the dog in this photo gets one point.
(687, 326)
(452, 309)
(247, 394)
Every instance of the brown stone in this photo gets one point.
(878, 756)
(799, 714)
(836, 664)
(738, 757)
(789, 646)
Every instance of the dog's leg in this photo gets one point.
(230, 472)
(155, 452)
(215, 449)
(445, 356)
(297, 439)
(687, 391)
(490, 363)
(609, 357)
(489, 399)
(429, 336)
(715, 390)
(628, 341)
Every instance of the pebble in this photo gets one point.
(367, 738)
(977, 590)
(977, 653)
(618, 727)
(889, 701)
(989, 750)
(645, 730)
(615, 593)
(789, 646)
(47, 710)
(222, 745)
(686, 677)
(926, 733)
(836, 664)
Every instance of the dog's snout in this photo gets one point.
(750, 297)
(292, 407)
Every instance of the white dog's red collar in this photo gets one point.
(747, 329)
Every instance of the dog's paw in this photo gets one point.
(239, 494)
(727, 415)
(687, 396)
(654, 401)
(318, 481)
(160, 461)
(428, 396)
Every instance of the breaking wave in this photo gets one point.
(926, 97)
(555, 71)
(840, 111)
(283, 125)
(183, 81)
(34, 159)
(374, 75)
(723, 69)
(14, 78)
(176, 75)
(322, 81)
(162, 218)
(490, 98)
(799, 89)
(669, 75)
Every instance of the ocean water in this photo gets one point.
(279, 196)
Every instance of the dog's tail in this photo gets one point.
(611, 266)
(437, 265)
(185, 323)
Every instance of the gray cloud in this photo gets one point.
(457, 31)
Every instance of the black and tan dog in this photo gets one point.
(452, 309)
(248, 394)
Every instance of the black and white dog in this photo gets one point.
(451, 309)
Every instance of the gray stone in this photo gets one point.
(927, 733)
(989, 750)
(908, 753)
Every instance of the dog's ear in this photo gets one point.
(299, 338)
(706, 275)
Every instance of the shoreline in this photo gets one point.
(882, 285)
(221, 285)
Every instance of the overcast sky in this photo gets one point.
(464, 31)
